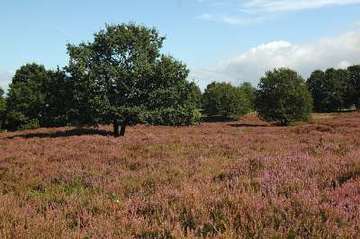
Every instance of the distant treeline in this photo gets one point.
(122, 76)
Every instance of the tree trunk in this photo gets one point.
(123, 127)
(116, 128)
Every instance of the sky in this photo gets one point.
(234, 41)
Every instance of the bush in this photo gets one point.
(18, 121)
(31, 124)
(223, 99)
(172, 117)
(283, 97)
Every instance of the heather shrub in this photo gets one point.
(211, 181)
(283, 97)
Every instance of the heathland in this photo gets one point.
(242, 179)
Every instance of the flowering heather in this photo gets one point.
(244, 179)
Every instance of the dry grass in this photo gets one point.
(222, 180)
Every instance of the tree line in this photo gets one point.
(122, 78)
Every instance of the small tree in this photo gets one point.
(121, 75)
(38, 97)
(26, 97)
(223, 99)
(2, 108)
(329, 89)
(283, 97)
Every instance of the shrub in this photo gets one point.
(283, 97)
(172, 117)
(31, 124)
(18, 121)
(223, 99)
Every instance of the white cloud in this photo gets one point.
(339, 52)
(245, 12)
(232, 20)
(293, 5)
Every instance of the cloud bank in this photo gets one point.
(338, 52)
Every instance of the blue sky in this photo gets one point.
(223, 40)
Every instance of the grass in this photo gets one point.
(244, 179)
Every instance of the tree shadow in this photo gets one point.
(65, 133)
(244, 125)
(217, 119)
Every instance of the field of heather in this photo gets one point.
(244, 179)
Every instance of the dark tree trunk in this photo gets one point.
(119, 128)
(123, 127)
(116, 128)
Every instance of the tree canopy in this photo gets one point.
(121, 74)
(354, 85)
(223, 99)
(26, 96)
(330, 90)
(283, 97)
(37, 97)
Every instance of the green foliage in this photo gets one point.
(2, 107)
(29, 124)
(250, 92)
(329, 90)
(172, 117)
(195, 95)
(37, 97)
(123, 69)
(223, 99)
(354, 85)
(283, 97)
(15, 120)
(58, 99)
(26, 97)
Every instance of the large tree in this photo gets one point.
(283, 97)
(122, 75)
